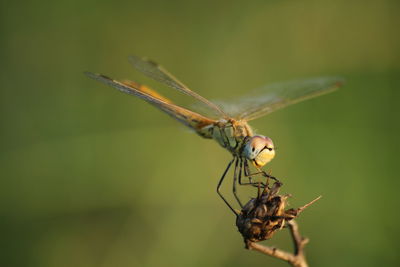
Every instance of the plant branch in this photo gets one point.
(296, 259)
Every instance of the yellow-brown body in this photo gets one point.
(230, 134)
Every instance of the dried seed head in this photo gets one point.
(262, 216)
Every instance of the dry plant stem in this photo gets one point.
(297, 259)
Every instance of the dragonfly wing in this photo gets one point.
(189, 118)
(278, 95)
(158, 73)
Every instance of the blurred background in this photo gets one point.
(93, 177)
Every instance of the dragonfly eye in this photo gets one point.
(259, 148)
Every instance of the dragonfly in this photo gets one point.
(228, 124)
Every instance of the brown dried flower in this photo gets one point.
(262, 216)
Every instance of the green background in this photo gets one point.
(92, 177)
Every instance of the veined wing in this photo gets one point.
(278, 95)
(189, 118)
(158, 73)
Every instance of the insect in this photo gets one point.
(229, 127)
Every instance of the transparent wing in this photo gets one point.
(158, 73)
(189, 118)
(278, 95)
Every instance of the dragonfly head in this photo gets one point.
(259, 149)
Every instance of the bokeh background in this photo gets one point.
(92, 177)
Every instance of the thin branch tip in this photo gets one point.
(299, 210)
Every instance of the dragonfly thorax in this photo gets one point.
(237, 137)
(231, 134)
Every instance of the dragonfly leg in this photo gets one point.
(242, 169)
(246, 172)
(219, 185)
(263, 173)
(260, 172)
(235, 177)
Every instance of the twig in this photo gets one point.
(299, 210)
(296, 259)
